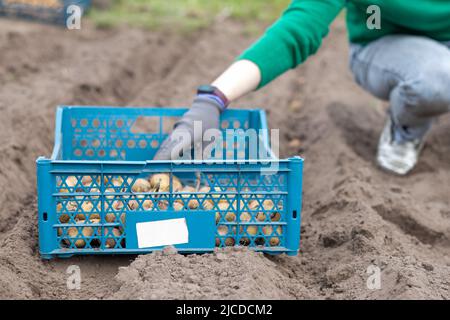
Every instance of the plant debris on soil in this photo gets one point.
(355, 217)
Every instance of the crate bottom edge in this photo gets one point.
(70, 253)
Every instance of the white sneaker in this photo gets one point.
(397, 155)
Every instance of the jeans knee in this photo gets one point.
(429, 92)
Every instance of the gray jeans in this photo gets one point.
(412, 72)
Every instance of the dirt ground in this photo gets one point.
(354, 215)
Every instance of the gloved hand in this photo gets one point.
(204, 109)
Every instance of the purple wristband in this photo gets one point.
(215, 98)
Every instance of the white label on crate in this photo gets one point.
(162, 233)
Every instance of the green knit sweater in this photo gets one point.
(300, 30)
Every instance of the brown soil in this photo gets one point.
(354, 215)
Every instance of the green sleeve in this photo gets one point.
(292, 38)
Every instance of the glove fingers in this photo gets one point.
(171, 147)
(203, 115)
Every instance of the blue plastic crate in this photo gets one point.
(52, 11)
(99, 194)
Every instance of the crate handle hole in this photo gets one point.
(294, 214)
(45, 216)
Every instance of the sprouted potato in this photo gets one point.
(163, 205)
(117, 205)
(117, 182)
(261, 216)
(217, 217)
(80, 217)
(268, 204)
(223, 206)
(110, 190)
(133, 205)
(275, 241)
(177, 186)
(71, 181)
(95, 190)
(260, 241)
(229, 242)
(72, 206)
(94, 216)
(177, 206)
(230, 217)
(252, 230)
(222, 230)
(86, 181)
(244, 241)
(204, 189)
(245, 217)
(110, 241)
(161, 182)
(141, 185)
(208, 205)
(147, 205)
(267, 230)
(193, 203)
(110, 217)
(72, 232)
(253, 205)
(275, 216)
(87, 206)
(241, 204)
(217, 196)
(64, 218)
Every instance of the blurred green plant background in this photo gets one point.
(184, 15)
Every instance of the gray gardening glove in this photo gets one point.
(204, 109)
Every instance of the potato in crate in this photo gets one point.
(100, 192)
